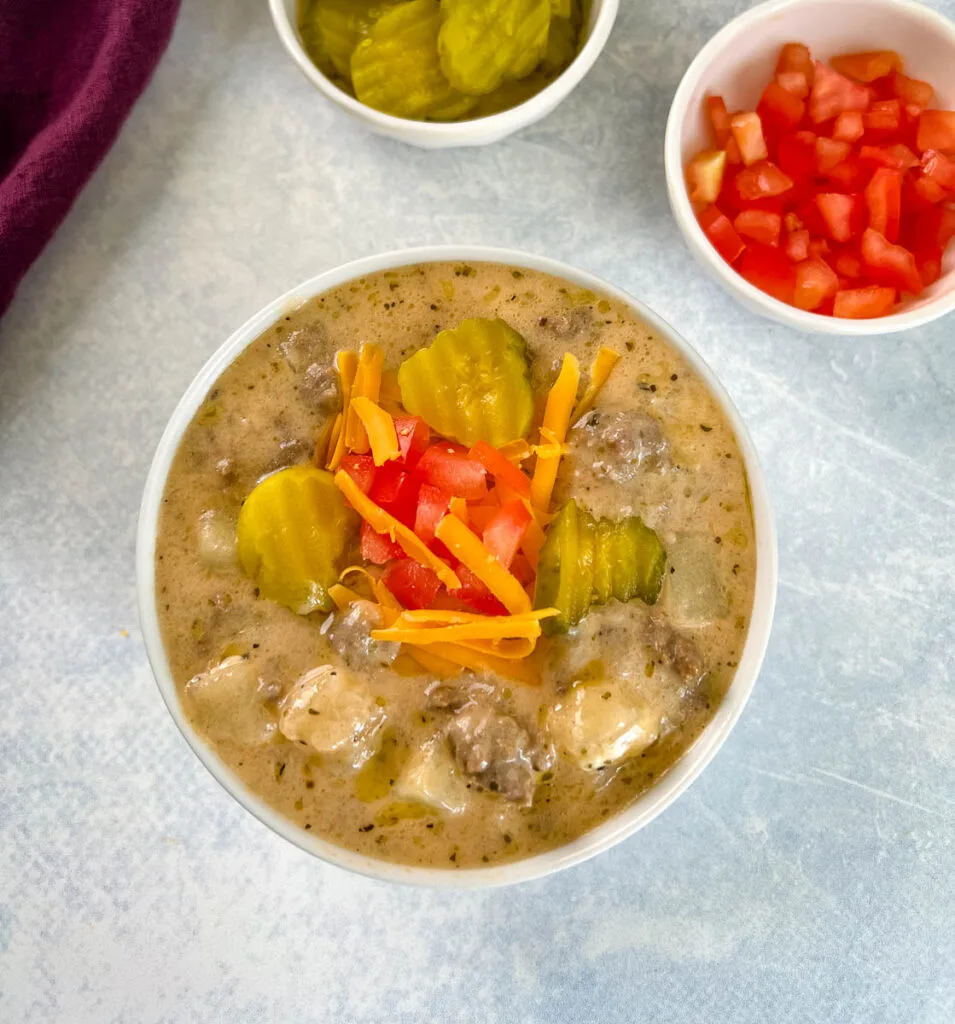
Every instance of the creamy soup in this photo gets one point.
(424, 761)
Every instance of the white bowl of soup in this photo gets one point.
(514, 105)
(456, 566)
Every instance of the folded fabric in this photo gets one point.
(70, 70)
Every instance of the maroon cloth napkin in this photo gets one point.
(70, 70)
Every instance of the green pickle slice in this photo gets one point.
(292, 534)
(342, 24)
(483, 43)
(472, 384)
(586, 561)
(562, 38)
(396, 68)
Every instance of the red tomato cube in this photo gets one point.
(867, 67)
(761, 181)
(705, 176)
(779, 109)
(883, 197)
(936, 130)
(849, 126)
(450, 467)
(929, 263)
(361, 468)
(829, 153)
(842, 214)
(396, 492)
(794, 82)
(796, 57)
(759, 225)
(911, 91)
(769, 270)
(929, 190)
(378, 548)
(721, 233)
(433, 505)
(720, 121)
(414, 585)
(501, 468)
(890, 264)
(796, 155)
(474, 593)
(897, 156)
(882, 119)
(940, 168)
(816, 281)
(864, 303)
(414, 435)
(747, 129)
(504, 533)
(797, 245)
(934, 227)
(833, 93)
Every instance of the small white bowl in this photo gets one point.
(738, 62)
(628, 821)
(435, 135)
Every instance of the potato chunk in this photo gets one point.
(332, 711)
(431, 777)
(596, 725)
(217, 540)
(228, 703)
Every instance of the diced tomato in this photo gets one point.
(759, 226)
(505, 532)
(762, 181)
(794, 82)
(413, 584)
(829, 153)
(890, 264)
(796, 155)
(361, 468)
(841, 213)
(936, 130)
(395, 491)
(720, 121)
(796, 57)
(378, 548)
(815, 282)
(897, 156)
(851, 175)
(705, 176)
(779, 109)
(911, 90)
(448, 466)
(818, 248)
(414, 435)
(929, 189)
(475, 594)
(846, 262)
(433, 505)
(863, 303)
(934, 227)
(929, 263)
(747, 129)
(797, 245)
(770, 270)
(721, 234)
(833, 93)
(501, 468)
(882, 120)
(940, 168)
(849, 126)
(867, 67)
(883, 197)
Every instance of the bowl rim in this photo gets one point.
(732, 281)
(495, 125)
(645, 807)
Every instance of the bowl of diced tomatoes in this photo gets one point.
(810, 161)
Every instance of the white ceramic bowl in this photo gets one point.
(644, 809)
(434, 135)
(738, 62)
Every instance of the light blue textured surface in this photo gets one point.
(807, 876)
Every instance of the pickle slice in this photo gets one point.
(512, 94)
(292, 533)
(472, 384)
(562, 38)
(342, 24)
(396, 68)
(585, 562)
(483, 43)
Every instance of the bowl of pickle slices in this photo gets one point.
(442, 73)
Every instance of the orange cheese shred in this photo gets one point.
(517, 671)
(326, 439)
(379, 429)
(468, 548)
(439, 667)
(603, 364)
(367, 385)
(378, 519)
(557, 413)
(346, 362)
(342, 596)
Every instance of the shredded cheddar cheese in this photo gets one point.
(439, 667)
(557, 413)
(367, 385)
(326, 439)
(378, 519)
(603, 364)
(342, 596)
(379, 429)
(346, 363)
(477, 661)
(468, 548)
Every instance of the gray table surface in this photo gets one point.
(807, 875)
